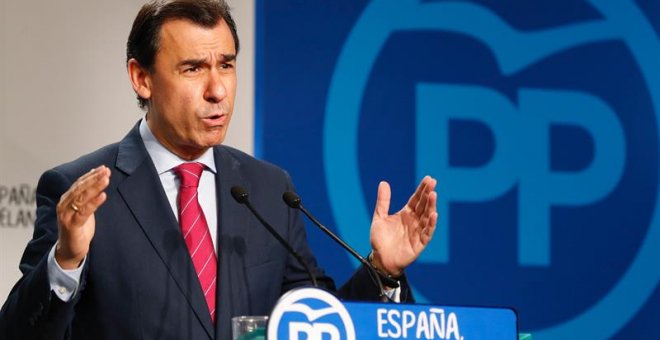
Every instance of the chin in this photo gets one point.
(215, 141)
(209, 139)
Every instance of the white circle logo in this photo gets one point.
(310, 313)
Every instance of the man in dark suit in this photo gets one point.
(111, 258)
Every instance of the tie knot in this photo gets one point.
(189, 173)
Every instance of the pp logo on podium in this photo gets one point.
(310, 313)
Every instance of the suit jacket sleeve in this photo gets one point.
(361, 287)
(32, 310)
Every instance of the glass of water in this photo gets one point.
(249, 327)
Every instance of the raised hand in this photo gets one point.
(75, 216)
(398, 239)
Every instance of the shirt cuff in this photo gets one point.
(394, 294)
(63, 282)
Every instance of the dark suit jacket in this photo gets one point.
(138, 281)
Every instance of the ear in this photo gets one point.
(140, 79)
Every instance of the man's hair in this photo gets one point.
(144, 39)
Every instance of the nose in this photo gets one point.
(215, 88)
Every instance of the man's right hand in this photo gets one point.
(75, 216)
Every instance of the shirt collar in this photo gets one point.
(164, 160)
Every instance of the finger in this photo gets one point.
(430, 222)
(89, 185)
(425, 185)
(429, 186)
(84, 179)
(76, 201)
(87, 197)
(415, 197)
(96, 184)
(80, 217)
(89, 173)
(426, 216)
(421, 204)
(428, 204)
(427, 232)
(79, 186)
(383, 200)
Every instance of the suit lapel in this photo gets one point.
(144, 195)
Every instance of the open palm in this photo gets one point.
(398, 239)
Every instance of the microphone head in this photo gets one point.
(240, 194)
(291, 199)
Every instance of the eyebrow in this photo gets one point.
(198, 62)
(229, 57)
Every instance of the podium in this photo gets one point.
(311, 313)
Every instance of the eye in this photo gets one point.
(192, 69)
(226, 66)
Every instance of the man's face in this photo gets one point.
(192, 87)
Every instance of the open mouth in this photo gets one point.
(215, 120)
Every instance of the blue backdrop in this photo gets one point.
(538, 118)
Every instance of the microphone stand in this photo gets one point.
(294, 201)
(241, 196)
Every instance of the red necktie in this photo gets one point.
(195, 231)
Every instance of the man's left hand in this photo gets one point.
(397, 240)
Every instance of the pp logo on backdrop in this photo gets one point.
(528, 124)
(520, 130)
(310, 313)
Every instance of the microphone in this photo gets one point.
(241, 196)
(294, 202)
